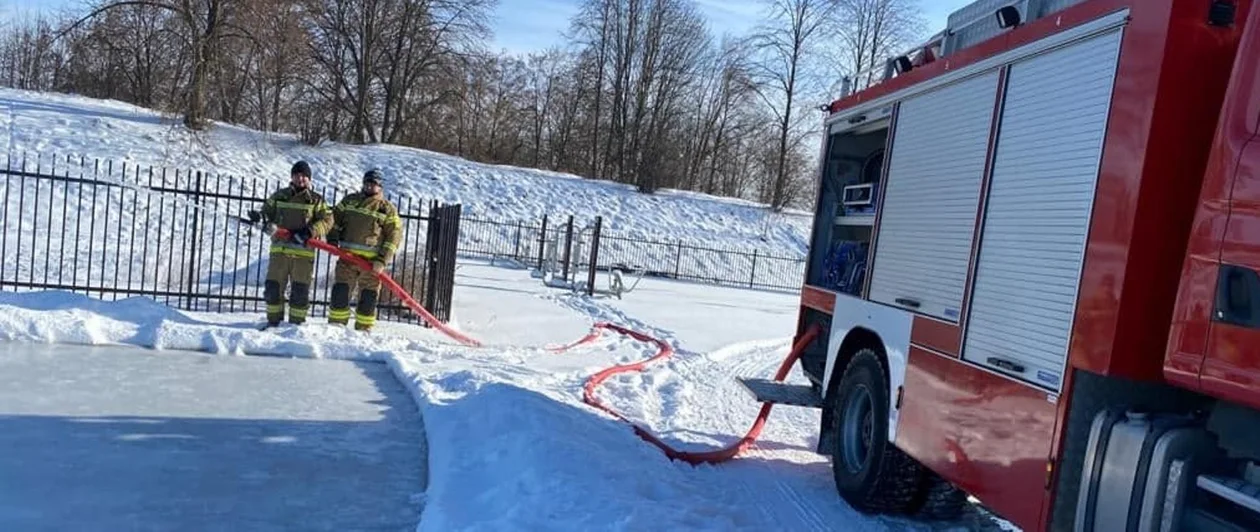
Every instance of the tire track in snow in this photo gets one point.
(749, 362)
(758, 358)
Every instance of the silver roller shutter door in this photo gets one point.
(928, 216)
(1037, 219)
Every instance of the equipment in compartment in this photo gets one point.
(845, 268)
(848, 197)
(859, 197)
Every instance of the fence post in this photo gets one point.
(678, 261)
(434, 230)
(542, 242)
(516, 254)
(752, 277)
(568, 246)
(590, 281)
(192, 244)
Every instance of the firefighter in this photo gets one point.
(366, 225)
(305, 214)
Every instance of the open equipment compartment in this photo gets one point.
(848, 199)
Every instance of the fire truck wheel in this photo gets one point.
(871, 474)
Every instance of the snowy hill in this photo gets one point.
(63, 125)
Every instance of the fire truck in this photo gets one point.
(1034, 265)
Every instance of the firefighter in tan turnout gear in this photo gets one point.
(305, 214)
(366, 225)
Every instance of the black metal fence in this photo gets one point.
(527, 242)
(178, 236)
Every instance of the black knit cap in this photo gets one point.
(301, 167)
(373, 176)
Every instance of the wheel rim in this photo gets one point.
(858, 429)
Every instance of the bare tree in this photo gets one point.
(785, 46)
(640, 93)
(274, 61)
(205, 24)
(29, 56)
(870, 31)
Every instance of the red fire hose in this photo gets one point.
(664, 350)
(389, 283)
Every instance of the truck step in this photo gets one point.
(1232, 489)
(769, 391)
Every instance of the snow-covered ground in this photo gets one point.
(511, 444)
(51, 124)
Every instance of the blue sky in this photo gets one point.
(13, 8)
(530, 25)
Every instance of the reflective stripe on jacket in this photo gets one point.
(294, 209)
(368, 226)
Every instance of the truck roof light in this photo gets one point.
(1008, 17)
(902, 64)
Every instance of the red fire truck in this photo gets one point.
(1034, 262)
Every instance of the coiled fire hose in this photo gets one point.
(664, 350)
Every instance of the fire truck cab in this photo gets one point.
(1034, 265)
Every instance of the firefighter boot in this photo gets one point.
(365, 314)
(339, 307)
(300, 303)
(275, 304)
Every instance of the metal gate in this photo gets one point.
(439, 256)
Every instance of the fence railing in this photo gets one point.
(115, 230)
(178, 236)
(524, 242)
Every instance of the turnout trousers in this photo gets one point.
(348, 280)
(286, 268)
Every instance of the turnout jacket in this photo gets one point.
(294, 209)
(368, 226)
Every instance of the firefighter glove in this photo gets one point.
(255, 216)
(300, 236)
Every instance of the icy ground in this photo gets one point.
(511, 446)
(122, 438)
(40, 126)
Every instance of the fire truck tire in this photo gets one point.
(941, 499)
(871, 474)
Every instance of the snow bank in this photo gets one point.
(63, 317)
(48, 124)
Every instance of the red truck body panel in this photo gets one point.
(1172, 73)
(988, 434)
(1219, 359)
(997, 437)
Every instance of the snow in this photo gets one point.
(511, 444)
(48, 124)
